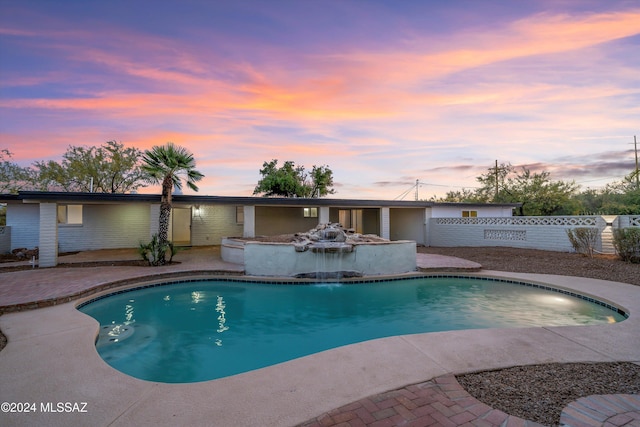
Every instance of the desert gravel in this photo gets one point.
(540, 392)
(605, 267)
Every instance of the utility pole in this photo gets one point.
(497, 189)
(418, 184)
(635, 147)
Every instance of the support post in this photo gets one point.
(385, 227)
(249, 221)
(48, 244)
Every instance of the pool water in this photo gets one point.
(203, 330)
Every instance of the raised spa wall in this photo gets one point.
(282, 260)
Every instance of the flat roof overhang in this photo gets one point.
(69, 197)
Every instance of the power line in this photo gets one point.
(404, 194)
(419, 183)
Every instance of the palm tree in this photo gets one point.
(166, 165)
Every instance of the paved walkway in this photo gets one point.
(440, 401)
(37, 288)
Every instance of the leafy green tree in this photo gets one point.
(284, 181)
(538, 194)
(13, 177)
(318, 182)
(617, 198)
(166, 165)
(110, 168)
(494, 185)
(460, 196)
(293, 181)
(590, 201)
(623, 196)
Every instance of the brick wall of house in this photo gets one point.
(213, 222)
(106, 227)
(24, 220)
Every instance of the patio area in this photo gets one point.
(50, 358)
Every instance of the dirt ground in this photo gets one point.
(606, 267)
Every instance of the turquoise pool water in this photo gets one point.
(203, 330)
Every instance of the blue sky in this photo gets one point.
(383, 92)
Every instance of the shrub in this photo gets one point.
(152, 251)
(583, 240)
(627, 244)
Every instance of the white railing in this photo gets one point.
(563, 221)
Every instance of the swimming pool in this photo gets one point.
(202, 330)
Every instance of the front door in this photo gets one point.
(180, 231)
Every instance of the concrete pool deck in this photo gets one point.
(50, 357)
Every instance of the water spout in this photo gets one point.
(328, 243)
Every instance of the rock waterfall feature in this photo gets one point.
(326, 252)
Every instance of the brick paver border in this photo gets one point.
(439, 402)
(611, 410)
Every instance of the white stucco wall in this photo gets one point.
(278, 259)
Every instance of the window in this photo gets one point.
(70, 214)
(311, 212)
(239, 214)
(469, 214)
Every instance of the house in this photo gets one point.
(65, 222)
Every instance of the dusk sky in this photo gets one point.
(383, 92)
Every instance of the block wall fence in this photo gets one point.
(534, 232)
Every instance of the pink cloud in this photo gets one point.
(382, 112)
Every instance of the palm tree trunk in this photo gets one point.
(165, 216)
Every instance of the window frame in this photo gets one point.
(310, 212)
(63, 215)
